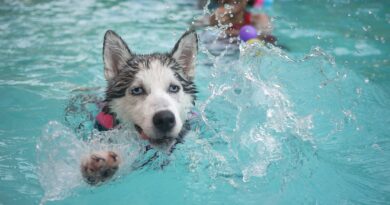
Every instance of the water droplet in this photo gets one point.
(359, 91)
(383, 39)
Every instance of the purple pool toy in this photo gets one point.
(248, 32)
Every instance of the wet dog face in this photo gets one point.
(153, 92)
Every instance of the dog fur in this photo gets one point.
(152, 93)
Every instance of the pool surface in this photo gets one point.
(307, 125)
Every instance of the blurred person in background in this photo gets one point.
(232, 15)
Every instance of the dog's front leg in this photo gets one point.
(99, 167)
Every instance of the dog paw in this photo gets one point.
(99, 167)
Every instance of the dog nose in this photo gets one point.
(164, 121)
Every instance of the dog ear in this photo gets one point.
(115, 54)
(185, 52)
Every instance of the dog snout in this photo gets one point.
(164, 121)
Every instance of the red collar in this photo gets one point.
(106, 120)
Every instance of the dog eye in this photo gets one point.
(173, 88)
(137, 91)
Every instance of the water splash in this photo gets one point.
(60, 151)
(256, 114)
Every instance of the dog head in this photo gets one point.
(154, 92)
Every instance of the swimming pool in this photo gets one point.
(307, 126)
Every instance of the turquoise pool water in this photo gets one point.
(306, 126)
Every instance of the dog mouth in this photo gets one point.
(141, 132)
(144, 136)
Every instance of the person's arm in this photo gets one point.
(225, 15)
(262, 23)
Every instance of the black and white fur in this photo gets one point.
(152, 93)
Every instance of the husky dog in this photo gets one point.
(152, 93)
